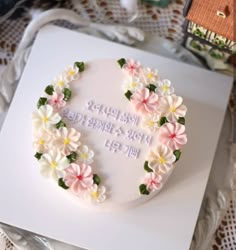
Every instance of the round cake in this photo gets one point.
(109, 132)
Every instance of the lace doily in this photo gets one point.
(5, 243)
(166, 22)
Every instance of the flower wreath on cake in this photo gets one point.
(63, 157)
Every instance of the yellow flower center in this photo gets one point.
(53, 164)
(83, 156)
(161, 160)
(41, 141)
(133, 84)
(66, 141)
(60, 83)
(150, 75)
(172, 109)
(44, 119)
(164, 88)
(70, 72)
(150, 123)
(94, 194)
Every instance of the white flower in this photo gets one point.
(85, 155)
(96, 194)
(71, 73)
(132, 84)
(60, 83)
(151, 121)
(44, 117)
(150, 75)
(52, 164)
(162, 159)
(41, 140)
(164, 87)
(172, 107)
(67, 140)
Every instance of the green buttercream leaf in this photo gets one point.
(96, 179)
(121, 62)
(181, 120)
(143, 189)
(42, 101)
(128, 94)
(67, 94)
(60, 124)
(38, 155)
(62, 184)
(49, 89)
(146, 167)
(80, 66)
(151, 87)
(177, 154)
(72, 157)
(162, 120)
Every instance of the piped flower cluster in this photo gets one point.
(163, 113)
(58, 148)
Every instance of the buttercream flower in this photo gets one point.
(41, 140)
(144, 101)
(164, 87)
(132, 67)
(60, 83)
(132, 84)
(56, 100)
(44, 117)
(52, 164)
(173, 108)
(67, 140)
(71, 73)
(172, 135)
(85, 155)
(96, 194)
(78, 177)
(151, 75)
(161, 159)
(151, 121)
(152, 181)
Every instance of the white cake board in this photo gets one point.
(166, 222)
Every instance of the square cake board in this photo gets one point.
(166, 222)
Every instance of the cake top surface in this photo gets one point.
(109, 131)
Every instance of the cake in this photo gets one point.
(109, 132)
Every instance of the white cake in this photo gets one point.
(109, 132)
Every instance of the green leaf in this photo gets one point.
(38, 155)
(96, 179)
(162, 120)
(67, 94)
(49, 89)
(177, 154)
(181, 120)
(80, 66)
(146, 167)
(128, 94)
(72, 157)
(60, 124)
(42, 101)
(121, 62)
(143, 189)
(151, 87)
(62, 184)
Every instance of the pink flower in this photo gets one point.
(172, 135)
(144, 101)
(132, 67)
(78, 177)
(56, 100)
(152, 181)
